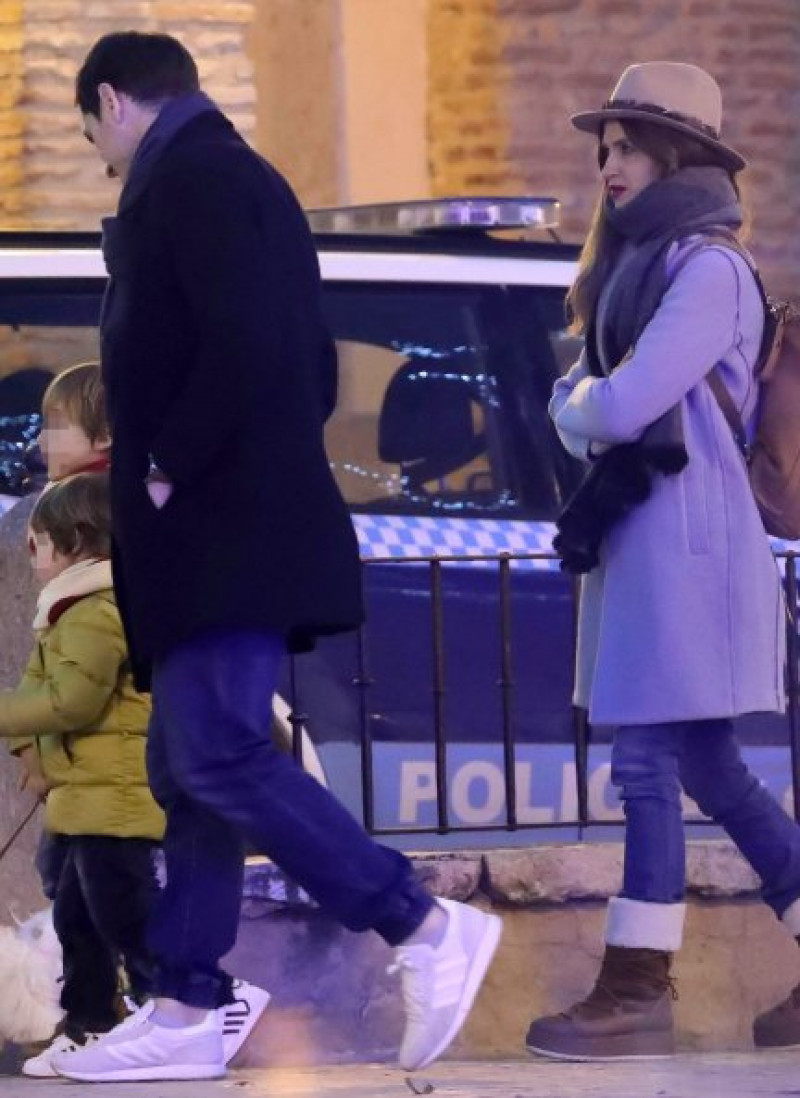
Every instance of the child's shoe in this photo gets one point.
(139, 1050)
(40, 1067)
(237, 1019)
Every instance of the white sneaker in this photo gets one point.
(440, 983)
(236, 1019)
(40, 1067)
(138, 1050)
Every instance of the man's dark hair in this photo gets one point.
(148, 67)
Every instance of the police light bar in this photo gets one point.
(438, 214)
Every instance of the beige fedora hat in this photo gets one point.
(682, 97)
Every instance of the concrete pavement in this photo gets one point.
(710, 1075)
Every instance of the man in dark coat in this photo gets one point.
(232, 546)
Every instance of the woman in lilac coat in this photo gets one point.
(682, 621)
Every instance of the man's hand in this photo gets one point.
(159, 486)
(159, 491)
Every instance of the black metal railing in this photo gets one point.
(363, 682)
(793, 700)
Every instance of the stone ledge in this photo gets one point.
(530, 877)
(333, 998)
(593, 871)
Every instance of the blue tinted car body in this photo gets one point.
(449, 347)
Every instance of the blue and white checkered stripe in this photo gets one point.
(423, 536)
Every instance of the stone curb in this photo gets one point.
(593, 871)
(535, 876)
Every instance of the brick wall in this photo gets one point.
(503, 76)
(13, 211)
(11, 120)
(297, 123)
(65, 185)
(468, 124)
(49, 176)
(506, 74)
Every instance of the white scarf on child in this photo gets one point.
(81, 579)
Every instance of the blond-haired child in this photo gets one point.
(75, 438)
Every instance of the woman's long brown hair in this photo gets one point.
(671, 150)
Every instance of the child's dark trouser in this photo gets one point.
(101, 907)
(49, 861)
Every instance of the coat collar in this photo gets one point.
(87, 577)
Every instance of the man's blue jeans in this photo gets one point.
(650, 763)
(214, 769)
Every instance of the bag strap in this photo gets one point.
(773, 311)
(724, 236)
(729, 410)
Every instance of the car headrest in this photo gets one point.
(426, 423)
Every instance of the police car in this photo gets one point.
(450, 711)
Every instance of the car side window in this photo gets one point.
(417, 409)
(443, 394)
(410, 433)
(21, 393)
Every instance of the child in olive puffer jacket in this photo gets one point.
(90, 725)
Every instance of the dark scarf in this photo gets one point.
(172, 117)
(691, 201)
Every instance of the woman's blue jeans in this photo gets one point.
(214, 769)
(650, 763)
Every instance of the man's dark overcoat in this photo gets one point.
(218, 363)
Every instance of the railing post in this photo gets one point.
(296, 720)
(363, 681)
(580, 727)
(440, 743)
(792, 677)
(580, 724)
(506, 687)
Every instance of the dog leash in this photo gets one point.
(18, 831)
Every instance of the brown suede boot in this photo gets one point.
(779, 1027)
(627, 1015)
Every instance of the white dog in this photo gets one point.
(30, 975)
(30, 988)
